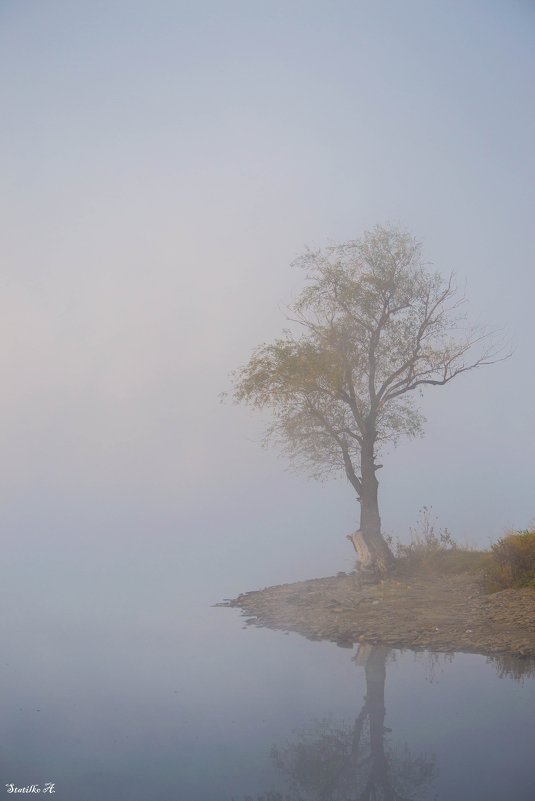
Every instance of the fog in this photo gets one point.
(162, 166)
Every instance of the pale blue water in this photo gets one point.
(159, 701)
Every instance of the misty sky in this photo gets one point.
(162, 164)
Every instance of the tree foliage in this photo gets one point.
(371, 328)
(374, 326)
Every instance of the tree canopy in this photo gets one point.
(371, 328)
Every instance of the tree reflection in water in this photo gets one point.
(329, 761)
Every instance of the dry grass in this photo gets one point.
(433, 550)
(509, 564)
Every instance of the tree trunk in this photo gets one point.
(371, 548)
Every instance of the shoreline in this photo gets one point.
(438, 613)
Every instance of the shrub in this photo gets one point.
(512, 562)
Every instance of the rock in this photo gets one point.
(340, 608)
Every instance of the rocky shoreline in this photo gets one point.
(438, 613)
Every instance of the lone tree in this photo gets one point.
(375, 326)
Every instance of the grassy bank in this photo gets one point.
(509, 564)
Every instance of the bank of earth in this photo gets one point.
(439, 613)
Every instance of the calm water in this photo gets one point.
(154, 697)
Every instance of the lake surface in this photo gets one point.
(152, 697)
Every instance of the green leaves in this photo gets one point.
(370, 326)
